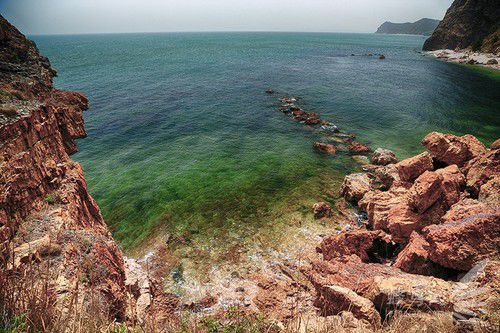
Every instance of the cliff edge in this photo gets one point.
(473, 24)
(60, 265)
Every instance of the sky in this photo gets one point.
(111, 16)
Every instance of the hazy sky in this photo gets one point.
(91, 16)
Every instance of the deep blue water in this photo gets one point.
(182, 137)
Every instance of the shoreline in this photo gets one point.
(467, 57)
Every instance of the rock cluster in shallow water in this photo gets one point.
(431, 219)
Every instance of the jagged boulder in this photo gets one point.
(410, 168)
(369, 246)
(452, 149)
(387, 287)
(452, 185)
(383, 156)
(471, 232)
(355, 186)
(333, 299)
(481, 169)
(425, 191)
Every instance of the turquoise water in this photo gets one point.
(182, 137)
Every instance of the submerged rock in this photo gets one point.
(358, 147)
(325, 148)
(363, 160)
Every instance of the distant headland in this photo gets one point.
(424, 27)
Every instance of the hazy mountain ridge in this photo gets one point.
(424, 26)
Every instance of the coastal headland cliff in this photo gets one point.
(427, 248)
(468, 24)
(52, 234)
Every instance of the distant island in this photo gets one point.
(424, 27)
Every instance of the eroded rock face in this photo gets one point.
(46, 210)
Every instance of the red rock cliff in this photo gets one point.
(46, 212)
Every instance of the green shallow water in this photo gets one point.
(182, 137)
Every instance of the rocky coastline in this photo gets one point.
(468, 57)
(429, 242)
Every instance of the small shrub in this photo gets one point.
(50, 199)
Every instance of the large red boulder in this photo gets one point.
(481, 169)
(333, 299)
(414, 258)
(489, 193)
(471, 232)
(451, 186)
(383, 156)
(355, 186)
(377, 204)
(425, 191)
(413, 167)
(387, 287)
(369, 246)
(452, 149)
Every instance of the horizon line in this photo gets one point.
(206, 31)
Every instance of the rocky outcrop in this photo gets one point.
(468, 24)
(423, 232)
(48, 220)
